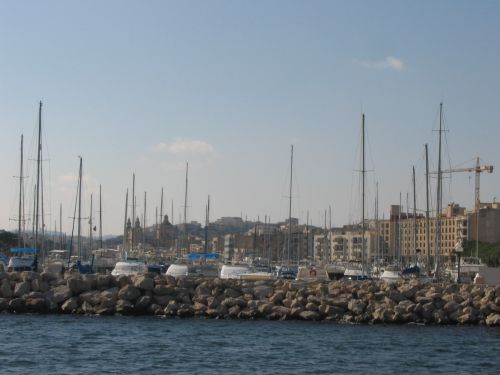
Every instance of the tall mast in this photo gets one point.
(144, 221)
(439, 196)
(90, 224)
(125, 234)
(79, 229)
(399, 230)
(407, 227)
(161, 206)
(100, 216)
(325, 240)
(307, 234)
(60, 227)
(207, 223)
(185, 209)
(38, 161)
(21, 216)
(414, 217)
(133, 212)
(290, 209)
(377, 227)
(427, 216)
(478, 206)
(363, 172)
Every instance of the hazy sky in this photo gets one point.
(144, 86)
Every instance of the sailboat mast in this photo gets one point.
(90, 225)
(377, 224)
(38, 161)
(60, 227)
(144, 220)
(290, 209)
(125, 234)
(207, 221)
(399, 230)
(133, 212)
(185, 208)
(100, 216)
(478, 206)
(20, 234)
(414, 217)
(439, 195)
(79, 210)
(427, 215)
(363, 172)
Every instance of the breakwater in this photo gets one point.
(338, 301)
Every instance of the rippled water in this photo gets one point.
(115, 345)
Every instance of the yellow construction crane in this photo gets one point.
(477, 169)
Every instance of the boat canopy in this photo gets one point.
(194, 256)
(24, 250)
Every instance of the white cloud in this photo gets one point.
(185, 147)
(389, 62)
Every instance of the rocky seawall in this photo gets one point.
(337, 301)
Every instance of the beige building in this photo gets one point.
(407, 237)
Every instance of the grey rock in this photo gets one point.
(263, 291)
(493, 320)
(70, 305)
(78, 285)
(5, 290)
(144, 283)
(22, 288)
(92, 297)
(129, 293)
(37, 305)
(124, 307)
(356, 306)
(39, 285)
(59, 294)
(309, 315)
(17, 305)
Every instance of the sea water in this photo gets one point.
(68, 344)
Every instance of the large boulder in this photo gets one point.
(70, 305)
(356, 306)
(17, 305)
(103, 281)
(59, 294)
(92, 297)
(5, 289)
(39, 285)
(78, 285)
(309, 315)
(22, 288)
(129, 293)
(143, 303)
(144, 283)
(124, 307)
(37, 305)
(493, 320)
(263, 291)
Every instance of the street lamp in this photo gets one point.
(458, 250)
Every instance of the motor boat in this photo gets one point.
(55, 262)
(335, 271)
(354, 272)
(24, 259)
(312, 273)
(229, 271)
(129, 267)
(178, 270)
(391, 274)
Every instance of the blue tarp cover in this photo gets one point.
(202, 256)
(24, 250)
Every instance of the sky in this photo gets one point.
(145, 86)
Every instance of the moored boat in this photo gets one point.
(129, 267)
